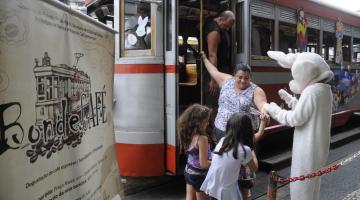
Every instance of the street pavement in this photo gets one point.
(353, 196)
(342, 184)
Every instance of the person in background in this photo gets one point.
(194, 142)
(217, 45)
(232, 151)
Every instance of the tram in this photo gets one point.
(156, 79)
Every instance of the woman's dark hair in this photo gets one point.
(243, 67)
(191, 122)
(239, 130)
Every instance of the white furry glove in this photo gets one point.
(272, 108)
(289, 100)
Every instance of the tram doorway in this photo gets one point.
(190, 85)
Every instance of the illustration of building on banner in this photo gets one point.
(56, 83)
(64, 107)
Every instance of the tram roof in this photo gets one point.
(324, 3)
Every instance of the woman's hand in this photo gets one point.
(264, 116)
(203, 55)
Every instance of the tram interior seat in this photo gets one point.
(188, 73)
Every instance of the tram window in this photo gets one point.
(287, 37)
(261, 36)
(192, 50)
(313, 40)
(346, 48)
(356, 51)
(168, 19)
(137, 27)
(328, 48)
(188, 48)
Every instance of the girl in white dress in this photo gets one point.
(232, 151)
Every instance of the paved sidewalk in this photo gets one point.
(353, 196)
(343, 184)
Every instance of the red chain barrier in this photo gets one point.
(274, 178)
(283, 180)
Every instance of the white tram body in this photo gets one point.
(149, 95)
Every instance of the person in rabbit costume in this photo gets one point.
(310, 115)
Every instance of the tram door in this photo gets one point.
(139, 79)
(170, 35)
(241, 31)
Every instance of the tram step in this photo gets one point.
(283, 159)
(344, 137)
(276, 162)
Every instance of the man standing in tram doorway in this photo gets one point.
(217, 48)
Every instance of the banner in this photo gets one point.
(301, 31)
(339, 36)
(56, 93)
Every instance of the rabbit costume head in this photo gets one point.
(306, 68)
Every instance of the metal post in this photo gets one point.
(272, 186)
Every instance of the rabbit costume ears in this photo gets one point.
(306, 68)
